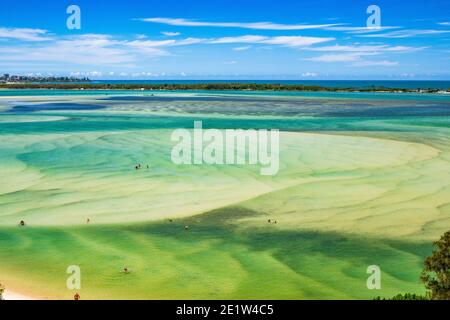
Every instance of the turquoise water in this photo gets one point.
(323, 95)
(341, 198)
(287, 111)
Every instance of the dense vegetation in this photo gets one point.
(406, 296)
(206, 86)
(435, 276)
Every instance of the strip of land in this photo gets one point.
(212, 86)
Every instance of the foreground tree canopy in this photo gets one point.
(436, 274)
(406, 296)
(2, 289)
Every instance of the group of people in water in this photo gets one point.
(125, 270)
(138, 166)
(77, 295)
(22, 222)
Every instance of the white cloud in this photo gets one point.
(150, 43)
(355, 58)
(291, 41)
(90, 40)
(342, 27)
(365, 29)
(252, 25)
(406, 33)
(91, 74)
(95, 74)
(296, 41)
(365, 48)
(355, 53)
(240, 39)
(88, 49)
(164, 43)
(144, 74)
(407, 75)
(230, 62)
(367, 63)
(242, 48)
(444, 23)
(309, 74)
(189, 41)
(170, 34)
(341, 57)
(24, 34)
(100, 49)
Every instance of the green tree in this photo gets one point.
(2, 289)
(406, 296)
(436, 274)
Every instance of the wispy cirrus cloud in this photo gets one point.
(343, 27)
(357, 30)
(406, 33)
(181, 22)
(100, 49)
(243, 48)
(163, 43)
(170, 34)
(338, 57)
(24, 34)
(356, 59)
(239, 39)
(289, 41)
(356, 53)
(310, 74)
(369, 63)
(296, 41)
(88, 49)
(365, 48)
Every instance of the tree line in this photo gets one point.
(208, 86)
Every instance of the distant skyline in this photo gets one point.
(215, 39)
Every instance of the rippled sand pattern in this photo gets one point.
(361, 182)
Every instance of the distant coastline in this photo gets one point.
(230, 86)
(18, 79)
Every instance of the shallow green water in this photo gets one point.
(212, 260)
(362, 181)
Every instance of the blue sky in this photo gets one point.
(215, 39)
